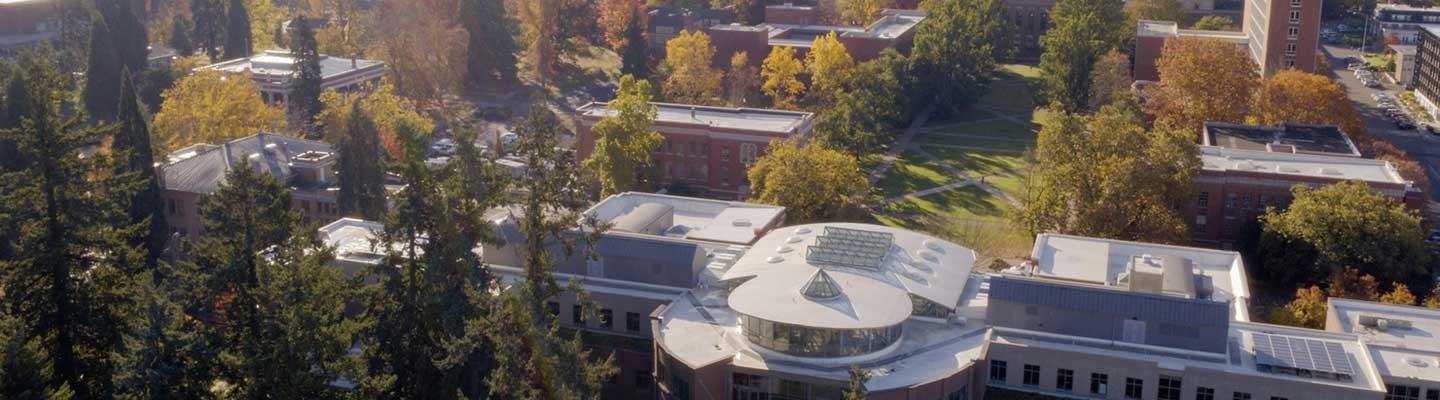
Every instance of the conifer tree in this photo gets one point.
(238, 43)
(132, 46)
(102, 77)
(491, 48)
(425, 317)
(635, 60)
(305, 86)
(180, 36)
(132, 144)
(361, 167)
(167, 361)
(208, 17)
(533, 360)
(71, 282)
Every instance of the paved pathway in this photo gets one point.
(981, 183)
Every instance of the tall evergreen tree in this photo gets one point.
(71, 282)
(533, 359)
(169, 354)
(361, 167)
(132, 45)
(180, 36)
(132, 144)
(304, 99)
(208, 17)
(490, 52)
(12, 110)
(424, 317)
(238, 43)
(102, 77)
(635, 60)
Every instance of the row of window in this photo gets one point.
(817, 342)
(1170, 387)
(578, 317)
(1402, 392)
(749, 152)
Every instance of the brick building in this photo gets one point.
(894, 28)
(1249, 168)
(1150, 38)
(307, 167)
(1029, 19)
(1278, 34)
(665, 23)
(706, 149)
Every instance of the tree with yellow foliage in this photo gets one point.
(1399, 296)
(387, 109)
(1203, 80)
(862, 12)
(741, 79)
(830, 66)
(1434, 300)
(781, 71)
(1301, 97)
(625, 140)
(692, 79)
(813, 182)
(209, 107)
(1307, 310)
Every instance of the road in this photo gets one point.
(1421, 146)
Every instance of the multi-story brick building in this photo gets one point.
(706, 149)
(307, 167)
(665, 23)
(1278, 35)
(1249, 168)
(1403, 21)
(1029, 20)
(894, 28)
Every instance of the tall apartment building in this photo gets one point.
(307, 167)
(707, 150)
(658, 248)
(1426, 78)
(1283, 33)
(1248, 168)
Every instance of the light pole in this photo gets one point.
(1364, 36)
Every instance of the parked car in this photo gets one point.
(1404, 124)
(1381, 96)
(1372, 82)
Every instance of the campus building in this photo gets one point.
(1402, 341)
(307, 167)
(1427, 70)
(1402, 21)
(1249, 168)
(658, 248)
(25, 23)
(665, 23)
(1278, 35)
(273, 70)
(707, 150)
(894, 28)
(1029, 19)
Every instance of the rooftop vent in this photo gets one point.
(1384, 324)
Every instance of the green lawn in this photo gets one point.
(980, 163)
(968, 203)
(912, 172)
(1014, 185)
(1000, 128)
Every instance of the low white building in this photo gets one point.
(273, 70)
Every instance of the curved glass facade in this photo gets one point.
(806, 341)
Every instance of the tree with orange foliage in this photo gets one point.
(1399, 296)
(423, 46)
(1203, 80)
(1293, 96)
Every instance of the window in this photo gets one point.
(997, 371)
(1294, 16)
(679, 388)
(1289, 49)
(607, 319)
(1134, 388)
(1295, 3)
(1293, 32)
(1031, 376)
(1099, 384)
(748, 153)
(960, 394)
(171, 204)
(1200, 222)
(725, 153)
(632, 322)
(1169, 388)
(1204, 393)
(1240, 396)
(1432, 394)
(1065, 379)
(1401, 392)
(553, 307)
(577, 315)
(1204, 200)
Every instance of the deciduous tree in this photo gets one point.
(388, 111)
(692, 79)
(1105, 176)
(208, 108)
(1213, 23)
(1307, 310)
(1292, 96)
(868, 107)
(1349, 283)
(972, 30)
(1203, 81)
(1399, 296)
(1336, 226)
(1158, 10)
(1433, 301)
(813, 182)
(539, 19)
(418, 44)
(625, 141)
(1081, 32)
(781, 75)
(1110, 80)
(741, 79)
(830, 66)
(858, 378)
(862, 12)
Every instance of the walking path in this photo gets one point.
(905, 143)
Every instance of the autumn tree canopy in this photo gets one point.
(1203, 81)
(692, 79)
(208, 107)
(1300, 97)
(1336, 226)
(829, 65)
(813, 182)
(625, 141)
(781, 76)
(1081, 32)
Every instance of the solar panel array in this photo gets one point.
(1302, 357)
(850, 247)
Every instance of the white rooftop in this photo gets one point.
(278, 64)
(695, 218)
(1101, 261)
(777, 269)
(748, 119)
(1305, 165)
(1407, 346)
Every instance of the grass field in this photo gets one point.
(912, 172)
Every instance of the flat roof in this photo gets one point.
(1405, 49)
(1399, 351)
(748, 119)
(695, 218)
(1154, 28)
(778, 267)
(1301, 165)
(280, 64)
(1287, 138)
(1403, 7)
(1095, 261)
